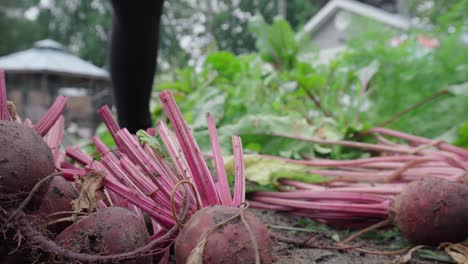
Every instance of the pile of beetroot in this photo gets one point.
(419, 186)
(156, 192)
(127, 204)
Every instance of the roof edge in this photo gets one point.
(358, 8)
(67, 74)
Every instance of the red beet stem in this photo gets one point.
(387, 188)
(239, 184)
(357, 162)
(419, 140)
(352, 144)
(377, 210)
(281, 208)
(69, 174)
(4, 112)
(100, 146)
(54, 141)
(78, 155)
(106, 114)
(49, 119)
(223, 185)
(163, 217)
(177, 157)
(136, 153)
(197, 165)
(330, 195)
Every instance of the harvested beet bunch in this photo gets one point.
(224, 235)
(427, 211)
(160, 170)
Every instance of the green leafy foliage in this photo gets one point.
(258, 96)
(410, 73)
(275, 43)
(275, 91)
(462, 136)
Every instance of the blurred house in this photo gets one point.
(37, 75)
(340, 20)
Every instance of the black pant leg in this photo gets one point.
(133, 55)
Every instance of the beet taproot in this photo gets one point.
(431, 211)
(108, 231)
(58, 198)
(25, 159)
(227, 243)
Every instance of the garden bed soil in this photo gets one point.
(287, 253)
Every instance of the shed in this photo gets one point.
(339, 20)
(37, 75)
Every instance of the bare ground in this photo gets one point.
(287, 253)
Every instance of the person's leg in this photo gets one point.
(133, 53)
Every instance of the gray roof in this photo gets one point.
(48, 56)
(332, 7)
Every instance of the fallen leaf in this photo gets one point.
(12, 109)
(407, 257)
(196, 256)
(458, 252)
(88, 185)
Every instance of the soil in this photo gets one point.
(287, 253)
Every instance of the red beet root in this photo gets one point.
(228, 243)
(432, 211)
(58, 198)
(25, 159)
(108, 231)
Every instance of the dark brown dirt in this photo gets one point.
(287, 253)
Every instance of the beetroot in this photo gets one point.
(228, 243)
(107, 231)
(432, 211)
(58, 198)
(427, 211)
(25, 159)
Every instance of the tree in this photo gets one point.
(427, 11)
(229, 25)
(455, 17)
(188, 28)
(82, 26)
(17, 32)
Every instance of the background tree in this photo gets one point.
(17, 32)
(82, 26)
(188, 28)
